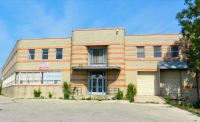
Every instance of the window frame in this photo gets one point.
(57, 53)
(143, 51)
(45, 54)
(105, 55)
(29, 54)
(157, 52)
(174, 51)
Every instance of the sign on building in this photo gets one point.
(44, 66)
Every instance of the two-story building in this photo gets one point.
(97, 61)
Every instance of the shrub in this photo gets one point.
(131, 92)
(66, 96)
(74, 90)
(37, 93)
(60, 97)
(66, 89)
(83, 98)
(166, 97)
(89, 98)
(42, 97)
(73, 98)
(114, 98)
(119, 95)
(50, 95)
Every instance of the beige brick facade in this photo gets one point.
(121, 52)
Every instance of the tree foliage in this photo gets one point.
(189, 20)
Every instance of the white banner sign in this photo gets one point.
(44, 66)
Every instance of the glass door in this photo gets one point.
(97, 86)
(97, 83)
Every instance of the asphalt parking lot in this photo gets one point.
(55, 110)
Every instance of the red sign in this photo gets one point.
(44, 66)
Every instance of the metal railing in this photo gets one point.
(76, 90)
(112, 91)
(178, 97)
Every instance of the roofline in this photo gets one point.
(94, 29)
(154, 34)
(7, 60)
(8, 57)
(43, 38)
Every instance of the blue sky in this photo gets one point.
(57, 18)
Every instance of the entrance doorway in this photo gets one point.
(97, 83)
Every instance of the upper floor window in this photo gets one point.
(174, 51)
(45, 53)
(59, 53)
(140, 52)
(157, 51)
(31, 54)
(97, 56)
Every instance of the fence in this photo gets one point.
(112, 91)
(76, 90)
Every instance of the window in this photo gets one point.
(45, 53)
(31, 54)
(140, 52)
(174, 51)
(157, 51)
(98, 56)
(52, 77)
(58, 53)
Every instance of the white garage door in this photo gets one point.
(170, 81)
(146, 83)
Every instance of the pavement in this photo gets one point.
(55, 110)
(146, 99)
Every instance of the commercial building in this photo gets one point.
(97, 61)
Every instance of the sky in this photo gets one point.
(57, 18)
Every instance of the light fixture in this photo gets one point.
(117, 32)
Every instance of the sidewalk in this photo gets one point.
(145, 99)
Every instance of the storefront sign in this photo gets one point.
(44, 66)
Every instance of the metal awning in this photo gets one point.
(96, 68)
(173, 65)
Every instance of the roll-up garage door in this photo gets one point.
(146, 83)
(170, 81)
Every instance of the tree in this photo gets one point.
(189, 20)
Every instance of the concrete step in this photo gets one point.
(149, 99)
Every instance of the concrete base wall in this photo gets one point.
(27, 91)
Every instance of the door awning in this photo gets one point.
(173, 65)
(96, 68)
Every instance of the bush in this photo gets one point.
(131, 92)
(60, 97)
(83, 98)
(37, 93)
(166, 97)
(50, 95)
(89, 98)
(66, 96)
(66, 89)
(119, 95)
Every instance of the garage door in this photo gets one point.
(170, 81)
(146, 83)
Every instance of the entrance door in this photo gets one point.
(97, 84)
